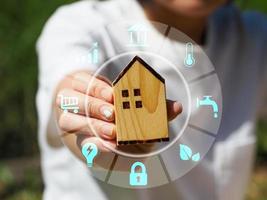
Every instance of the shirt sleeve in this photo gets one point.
(63, 47)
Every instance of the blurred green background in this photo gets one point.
(20, 25)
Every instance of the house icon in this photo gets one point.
(138, 35)
(140, 104)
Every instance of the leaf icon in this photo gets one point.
(185, 152)
(196, 157)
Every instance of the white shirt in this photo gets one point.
(236, 45)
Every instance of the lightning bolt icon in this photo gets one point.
(89, 150)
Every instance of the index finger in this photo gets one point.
(93, 86)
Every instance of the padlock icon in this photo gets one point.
(138, 178)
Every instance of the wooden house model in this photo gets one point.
(140, 104)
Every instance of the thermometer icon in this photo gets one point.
(189, 60)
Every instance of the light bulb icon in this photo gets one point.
(89, 151)
(189, 60)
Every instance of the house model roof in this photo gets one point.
(135, 59)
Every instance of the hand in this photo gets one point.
(100, 109)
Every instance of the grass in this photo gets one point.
(257, 189)
(26, 187)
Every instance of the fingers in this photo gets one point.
(99, 109)
(93, 86)
(173, 109)
(94, 107)
(71, 123)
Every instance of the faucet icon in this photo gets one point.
(207, 101)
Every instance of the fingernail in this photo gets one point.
(107, 130)
(106, 111)
(106, 94)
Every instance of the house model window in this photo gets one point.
(137, 92)
(126, 104)
(138, 104)
(124, 93)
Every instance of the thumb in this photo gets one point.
(173, 109)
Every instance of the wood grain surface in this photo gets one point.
(140, 124)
